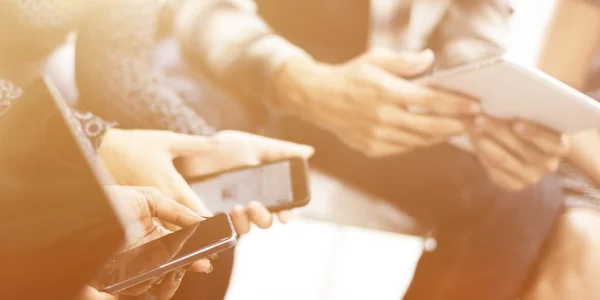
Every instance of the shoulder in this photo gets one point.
(45, 13)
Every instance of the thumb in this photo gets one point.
(403, 64)
(184, 194)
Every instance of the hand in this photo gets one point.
(570, 265)
(235, 149)
(165, 289)
(141, 207)
(145, 158)
(366, 101)
(516, 155)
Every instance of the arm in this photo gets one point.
(114, 70)
(575, 28)
(472, 30)
(233, 44)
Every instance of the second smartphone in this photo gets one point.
(278, 185)
(168, 253)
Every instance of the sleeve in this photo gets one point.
(89, 128)
(229, 41)
(472, 30)
(114, 70)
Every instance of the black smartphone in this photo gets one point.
(168, 253)
(278, 185)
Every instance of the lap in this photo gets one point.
(488, 238)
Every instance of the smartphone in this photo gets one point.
(166, 254)
(278, 185)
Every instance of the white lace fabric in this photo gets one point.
(114, 46)
(88, 127)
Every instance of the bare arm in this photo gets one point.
(567, 53)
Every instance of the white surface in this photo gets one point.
(310, 260)
(333, 200)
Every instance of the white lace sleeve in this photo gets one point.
(115, 76)
(89, 127)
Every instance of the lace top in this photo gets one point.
(89, 128)
(113, 59)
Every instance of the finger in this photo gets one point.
(139, 289)
(502, 133)
(180, 144)
(284, 216)
(384, 129)
(167, 288)
(240, 220)
(545, 139)
(398, 91)
(200, 266)
(370, 147)
(167, 209)
(502, 159)
(425, 125)
(90, 293)
(502, 179)
(269, 149)
(259, 215)
(184, 194)
(403, 64)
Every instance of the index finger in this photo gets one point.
(169, 210)
(430, 99)
(545, 139)
(269, 149)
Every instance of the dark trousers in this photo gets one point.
(488, 239)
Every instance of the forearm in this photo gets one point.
(233, 44)
(574, 28)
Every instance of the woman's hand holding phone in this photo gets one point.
(140, 207)
(145, 158)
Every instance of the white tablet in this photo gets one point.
(508, 90)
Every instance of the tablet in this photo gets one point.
(509, 90)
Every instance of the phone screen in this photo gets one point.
(170, 248)
(271, 184)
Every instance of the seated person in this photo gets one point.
(568, 265)
(110, 66)
(350, 107)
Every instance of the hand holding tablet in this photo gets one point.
(511, 91)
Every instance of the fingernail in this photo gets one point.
(426, 54)
(475, 108)
(179, 275)
(238, 207)
(520, 128)
(210, 269)
(160, 280)
(479, 123)
(214, 256)
(421, 58)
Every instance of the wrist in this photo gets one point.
(584, 154)
(295, 83)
